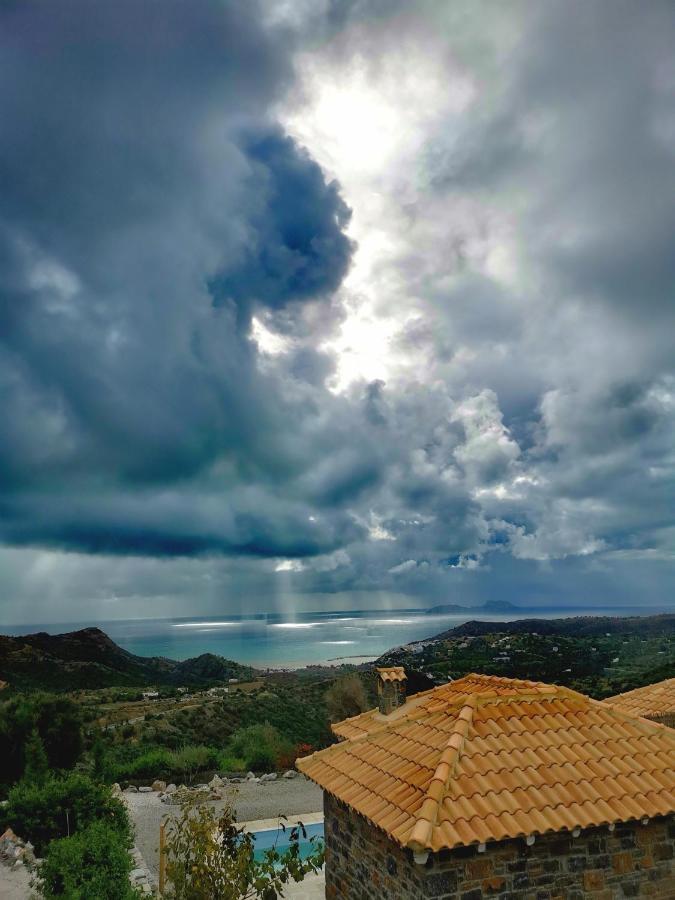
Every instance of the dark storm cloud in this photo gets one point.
(150, 204)
(298, 249)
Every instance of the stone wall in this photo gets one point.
(634, 860)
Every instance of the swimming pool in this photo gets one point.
(264, 840)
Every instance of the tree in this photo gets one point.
(209, 858)
(36, 764)
(345, 698)
(57, 721)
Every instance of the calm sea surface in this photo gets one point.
(272, 640)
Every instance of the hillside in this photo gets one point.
(577, 626)
(89, 659)
(598, 655)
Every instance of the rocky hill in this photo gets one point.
(89, 658)
(577, 626)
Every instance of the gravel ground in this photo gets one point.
(292, 797)
(14, 884)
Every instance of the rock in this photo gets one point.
(237, 780)
(250, 774)
(8, 835)
(158, 785)
(215, 795)
(216, 783)
(271, 776)
(137, 874)
(291, 773)
(170, 788)
(116, 790)
(18, 864)
(131, 789)
(145, 790)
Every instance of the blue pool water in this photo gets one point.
(265, 840)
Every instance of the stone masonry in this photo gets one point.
(634, 860)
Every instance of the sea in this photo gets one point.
(278, 641)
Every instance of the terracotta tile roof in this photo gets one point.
(436, 698)
(393, 673)
(655, 701)
(486, 758)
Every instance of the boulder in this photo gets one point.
(131, 789)
(170, 788)
(159, 786)
(216, 783)
(250, 775)
(145, 790)
(291, 773)
(271, 776)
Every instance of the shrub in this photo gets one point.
(91, 865)
(60, 807)
(229, 763)
(260, 746)
(209, 857)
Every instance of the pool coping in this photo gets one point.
(312, 818)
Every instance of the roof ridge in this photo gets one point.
(427, 817)
(656, 686)
(648, 725)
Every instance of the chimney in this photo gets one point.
(391, 688)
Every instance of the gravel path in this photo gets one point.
(292, 797)
(14, 884)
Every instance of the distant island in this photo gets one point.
(492, 606)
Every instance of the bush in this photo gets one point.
(229, 763)
(91, 865)
(60, 807)
(262, 747)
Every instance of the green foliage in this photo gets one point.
(346, 697)
(209, 857)
(62, 806)
(165, 764)
(93, 864)
(36, 764)
(260, 746)
(229, 763)
(58, 722)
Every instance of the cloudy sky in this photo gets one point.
(335, 303)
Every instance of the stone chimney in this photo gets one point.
(391, 688)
